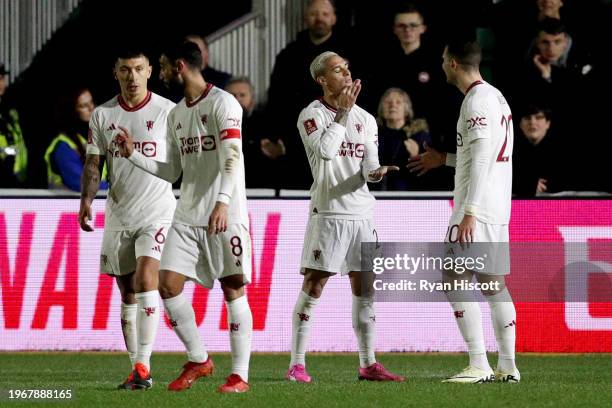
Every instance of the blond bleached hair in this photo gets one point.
(317, 66)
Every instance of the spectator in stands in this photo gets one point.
(65, 156)
(555, 71)
(412, 65)
(214, 76)
(13, 150)
(537, 155)
(292, 88)
(400, 136)
(262, 156)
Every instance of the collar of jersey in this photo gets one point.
(141, 105)
(206, 91)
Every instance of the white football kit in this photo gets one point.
(341, 205)
(139, 206)
(483, 175)
(205, 138)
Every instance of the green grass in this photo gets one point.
(547, 380)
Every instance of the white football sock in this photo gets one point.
(240, 322)
(503, 315)
(469, 320)
(147, 321)
(182, 319)
(302, 318)
(364, 325)
(128, 327)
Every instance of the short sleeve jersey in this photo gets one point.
(136, 198)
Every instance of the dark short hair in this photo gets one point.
(239, 80)
(408, 8)
(130, 51)
(466, 51)
(552, 26)
(187, 51)
(534, 109)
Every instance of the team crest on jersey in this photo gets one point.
(316, 254)
(204, 119)
(149, 149)
(476, 121)
(90, 136)
(359, 127)
(150, 124)
(310, 126)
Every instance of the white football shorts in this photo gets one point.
(121, 249)
(497, 259)
(334, 245)
(205, 258)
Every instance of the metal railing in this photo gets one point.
(25, 26)
(249, 45)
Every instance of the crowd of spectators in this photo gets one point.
(544, 55)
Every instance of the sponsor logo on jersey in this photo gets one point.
(195, 144)
(350, 149)
(476, 122)
(310, 126)
(208, 143)
(150, 124)
(233, 122)
(148, 149)
(359, 127)
(459, 139)
(316, 254)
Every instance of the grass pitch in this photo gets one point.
(573, 380)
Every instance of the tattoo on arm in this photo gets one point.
(341, 116)
(90, 181)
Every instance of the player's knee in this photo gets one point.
(167, 290)
(128, 298)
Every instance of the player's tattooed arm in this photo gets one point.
(341, 116)
(90, 182)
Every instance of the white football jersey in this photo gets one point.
(485, 114)
(198, 130)
(136, 198)
(339, 189)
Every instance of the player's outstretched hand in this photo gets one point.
(348, 95)
(125, 141)
(379, 173)
(426, 161)
(85, 215)
(217, 222)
